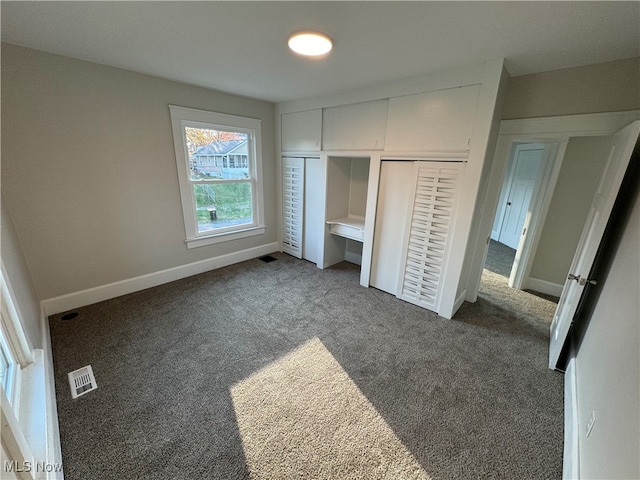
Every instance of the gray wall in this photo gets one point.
(89, 175)
(27, 302)
(608, 368)
(602, 87)
(578, 180)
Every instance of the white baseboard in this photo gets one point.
(543, 286)
(89, 296)
(571, 456)
(456, 305)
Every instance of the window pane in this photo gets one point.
(217, 154)
(220, 205)
(4, 368)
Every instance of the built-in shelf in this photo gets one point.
(351, 227)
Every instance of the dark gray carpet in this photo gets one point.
(180, 369)
(500, 259)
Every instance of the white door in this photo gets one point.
(428, 232)
(526, 168)
(619, 156)
(396, 178)
(313, 209)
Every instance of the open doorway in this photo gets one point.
(524, 182)
(575, 150)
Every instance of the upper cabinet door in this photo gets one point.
(433, 121)
(359, 126)
(302, 131)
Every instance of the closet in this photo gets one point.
(323, 208)
(415, 221)
(393, 178)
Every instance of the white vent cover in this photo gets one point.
(82, 381)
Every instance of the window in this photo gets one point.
(27, 431)
(221, 200)
(8, 367)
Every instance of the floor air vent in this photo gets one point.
(82, 381)
(267, 258)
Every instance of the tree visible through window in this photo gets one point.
(218, 168)
(222, 192)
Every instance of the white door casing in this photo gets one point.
(601, 207)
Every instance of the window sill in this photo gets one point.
(224, 237)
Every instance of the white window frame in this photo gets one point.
(11, 384)
(13, 341)
(182, 117)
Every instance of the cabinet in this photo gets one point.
(432, 121)
(301, 131)
(359, 126)
(414, 230)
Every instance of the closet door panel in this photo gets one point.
(314, 200)
(292, 205)
(426, 246)
(393, 202)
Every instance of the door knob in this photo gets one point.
(581, 280)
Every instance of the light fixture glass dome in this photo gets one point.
(311, 44)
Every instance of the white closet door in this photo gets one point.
(428, 232)
(393, 201)
(314, 201)
(292, 205)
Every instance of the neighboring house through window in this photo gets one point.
(219, 163)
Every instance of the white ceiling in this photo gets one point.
(240, 47)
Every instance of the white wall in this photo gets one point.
(89, 175)
(578, 180)
(608, 368)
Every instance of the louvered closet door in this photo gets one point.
(428, 232)
(292, 205)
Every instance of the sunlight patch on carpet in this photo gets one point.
(303, 417)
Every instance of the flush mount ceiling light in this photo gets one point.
(310, 44)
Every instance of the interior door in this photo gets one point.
(623, 144)
(525, 174)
